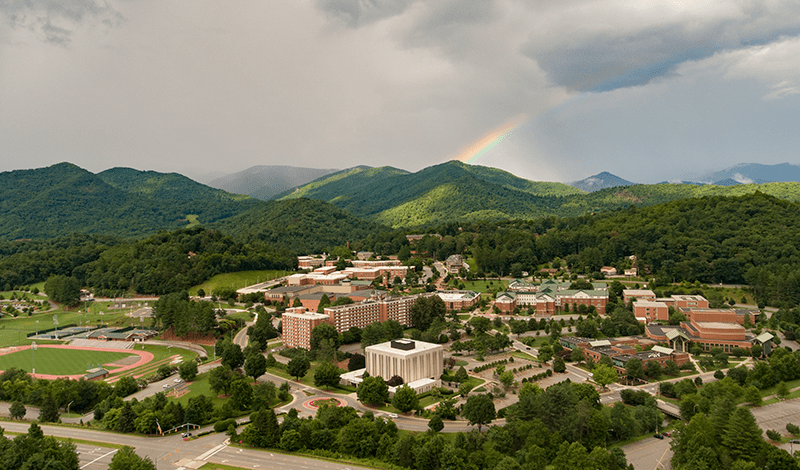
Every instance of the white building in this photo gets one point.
(419, 364)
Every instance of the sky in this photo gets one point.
(649, 91)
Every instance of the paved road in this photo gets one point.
(649, 454)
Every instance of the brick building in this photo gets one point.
(646, 311)
(297, 325)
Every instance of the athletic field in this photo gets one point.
(60, 361)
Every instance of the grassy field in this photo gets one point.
(484, 286)
(13, 331)
(237, 280)
(59, 361)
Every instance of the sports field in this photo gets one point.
(59, 361)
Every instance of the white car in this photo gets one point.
(392, 415)
(177, 381)
(165, 385)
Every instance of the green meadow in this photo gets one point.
(59, 361)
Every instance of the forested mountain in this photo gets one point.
(744, 173)
(63, 199)
(446, 192)
(265, 181)
(600, 181)
(750, 239)
(340, 183)
(299, 225)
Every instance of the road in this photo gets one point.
(172, 451)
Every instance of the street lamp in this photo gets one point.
(33, 357)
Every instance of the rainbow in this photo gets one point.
(490, 140)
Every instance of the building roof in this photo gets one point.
(764, 337)
(417, 347)
(307, 315)
(600, 343)
(638, 293)
(663, 350)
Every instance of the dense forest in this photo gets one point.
(160, 264)
(63, 199)
(748, 239)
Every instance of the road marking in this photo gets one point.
(210, 453)
(659, 460)
(98, 458)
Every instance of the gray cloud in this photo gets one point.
(55, 19)
(619, 54)
(357, 13)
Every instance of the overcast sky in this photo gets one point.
(650, 91)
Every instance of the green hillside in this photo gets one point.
(449, 191)
(299, 225)
(336, 184)
(457, 192)
(173, 186)
(64, 198)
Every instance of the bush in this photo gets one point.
(774, 435)
(222, 426)
(793, 428)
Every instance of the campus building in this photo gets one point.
(638, 294)
(458, 299)
(646, 311)
(297, 325)
(548, 297)
(418, 363)
(707, 335)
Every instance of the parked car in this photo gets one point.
(658, 436)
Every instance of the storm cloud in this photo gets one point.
(646, 90)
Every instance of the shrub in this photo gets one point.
(774, 435)
(793, 428)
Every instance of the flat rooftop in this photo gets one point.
(418, 346)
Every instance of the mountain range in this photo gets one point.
(124, 202)
(265, 181)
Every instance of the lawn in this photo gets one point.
(485, 286)
(308, 379)
(13, 331)
(238, 280)
(59, 361)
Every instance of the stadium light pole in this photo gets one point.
(33, 357)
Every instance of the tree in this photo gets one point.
(357, 361)
(782, 390)
(232, 356)
(322, 333)
(48, 413)
(324, 301)
(559, 365)
(263, 430)
(507, 379)
(298, 367)
(255, 365)
(241, 394)
(752, 395)
(479, 409)
(220, 378)
(435, 424)
(188, 370)
(63, 289)
(480, 324)
(326, 375)
(604, 375)
(126, 459)
(461, 375)
(127, 417)
(634, 369)
(405, 399)
(425, 310)
(17, 410)
(742, 436)
(373, 391)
